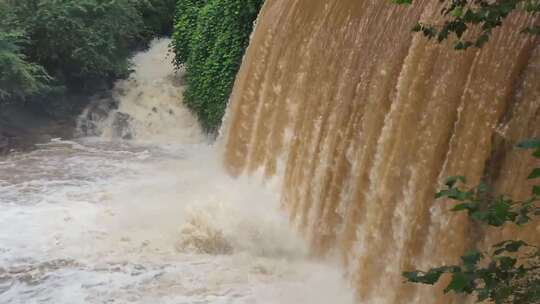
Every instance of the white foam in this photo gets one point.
(150, 105)
(154, 220)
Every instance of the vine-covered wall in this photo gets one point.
(209, 40)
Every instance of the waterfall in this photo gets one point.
(362, 120)
(147, 106)
(138, 209)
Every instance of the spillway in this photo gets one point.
(362, 121)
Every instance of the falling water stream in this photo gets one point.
(364, 120)
(138, 209)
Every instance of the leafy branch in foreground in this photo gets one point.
(484, 15)
(510, 271)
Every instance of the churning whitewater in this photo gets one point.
(138, 209)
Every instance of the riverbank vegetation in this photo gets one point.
(50, 50)
(209, 40)
(53, 53)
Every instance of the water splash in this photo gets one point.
(147, 106)
(364, 120)
(153, 219)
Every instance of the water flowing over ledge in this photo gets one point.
(363, 121)
(139, 210)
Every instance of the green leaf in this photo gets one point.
(429, 278)
(471, 258)
(460, 207)
(536, 190)
(481, 40)
(509, 246)
(452, 180)
(462, 45)
(406, 2)
(537, 153)
(507, 262)
(458, 283)
(484, 188)
(441, 193)
(470, 207)
(534, 174)
(456, 194)
(501, 244)
(533, 143)
(457, 11)
(483, 294)
(514, 246)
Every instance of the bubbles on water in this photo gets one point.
(199, 234)
(227, 228)
(147, 106)
(154, 219)
(150, 224)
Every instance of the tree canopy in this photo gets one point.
(51, 46)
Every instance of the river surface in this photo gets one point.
(140, 210)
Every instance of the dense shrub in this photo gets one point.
(157, 16)
(209, 40)
(19, 78)
(80, 42)
(187, 12)
(58, 47)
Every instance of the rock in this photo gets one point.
(96, 112)
(121, 126)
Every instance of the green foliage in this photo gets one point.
(18, 78)
(185, 22)
(157, 16)
(210, 37)
(462, 15)
(82, 41)
(510, 271)
(60, 46)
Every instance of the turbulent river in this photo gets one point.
(138, 209)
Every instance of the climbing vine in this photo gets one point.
(209, 40)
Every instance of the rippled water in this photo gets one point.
(106, 220)
(93, 221)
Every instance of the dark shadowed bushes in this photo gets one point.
(157, 16)
(18, 78)
(80, 43)
(53, 48)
